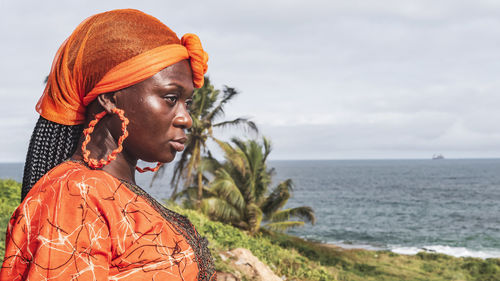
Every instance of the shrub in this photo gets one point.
(10, 195)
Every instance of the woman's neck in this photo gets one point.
(101, 146)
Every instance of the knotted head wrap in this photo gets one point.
(111, 51)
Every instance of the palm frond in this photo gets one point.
(226, 147)
(219, 209)
(278, 197)
(305, 213)
(267, 147)
(226, 189)
(190, 193)
(229, 93)
(282, 226)
(209, 164)
(203, 99)
(241, 121)
(231, 155)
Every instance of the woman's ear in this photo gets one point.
(107, 101)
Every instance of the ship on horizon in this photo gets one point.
(437, 157)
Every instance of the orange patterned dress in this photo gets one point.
(82, 224)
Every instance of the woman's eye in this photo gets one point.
(189, 103)
(171, 99)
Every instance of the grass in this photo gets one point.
(298, 259)
(284, 262)
(385, 265)
(10, 195)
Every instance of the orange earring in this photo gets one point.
(143, 170)
(97, 164)
(94, 163)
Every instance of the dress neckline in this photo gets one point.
(199, 244)
(83, 163)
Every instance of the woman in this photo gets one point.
(128, 80)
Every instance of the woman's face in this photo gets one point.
(158, 112)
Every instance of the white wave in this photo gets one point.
(349, 246)
(447, 250)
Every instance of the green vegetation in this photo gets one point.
(206, 110)
(284, 262)
(298, 259)
(239, 192)
(10, 196)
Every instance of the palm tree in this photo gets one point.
(206, 110)
(238, 193)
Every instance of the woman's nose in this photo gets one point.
(183, 118)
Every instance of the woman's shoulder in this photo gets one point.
(72, 178)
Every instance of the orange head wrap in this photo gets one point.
(111, 51)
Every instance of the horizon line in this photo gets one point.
(339, 159)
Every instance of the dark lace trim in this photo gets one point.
(199, 244)
(206, 267)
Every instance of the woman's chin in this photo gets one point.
(167, 158)
(162, 158)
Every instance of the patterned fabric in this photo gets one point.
(82, 224)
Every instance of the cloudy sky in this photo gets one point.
(322, 79)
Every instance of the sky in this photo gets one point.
(321, 79)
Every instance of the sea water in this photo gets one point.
(406, 206)
(446, 206)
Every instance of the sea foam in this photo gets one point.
(447, 250)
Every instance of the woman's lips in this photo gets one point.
(177, 145)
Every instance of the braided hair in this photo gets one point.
(51, 143)
(99, 43)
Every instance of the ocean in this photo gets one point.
(405, 206)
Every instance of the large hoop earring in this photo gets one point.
(94, 163)
(146, 169)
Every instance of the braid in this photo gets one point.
(51, 143)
